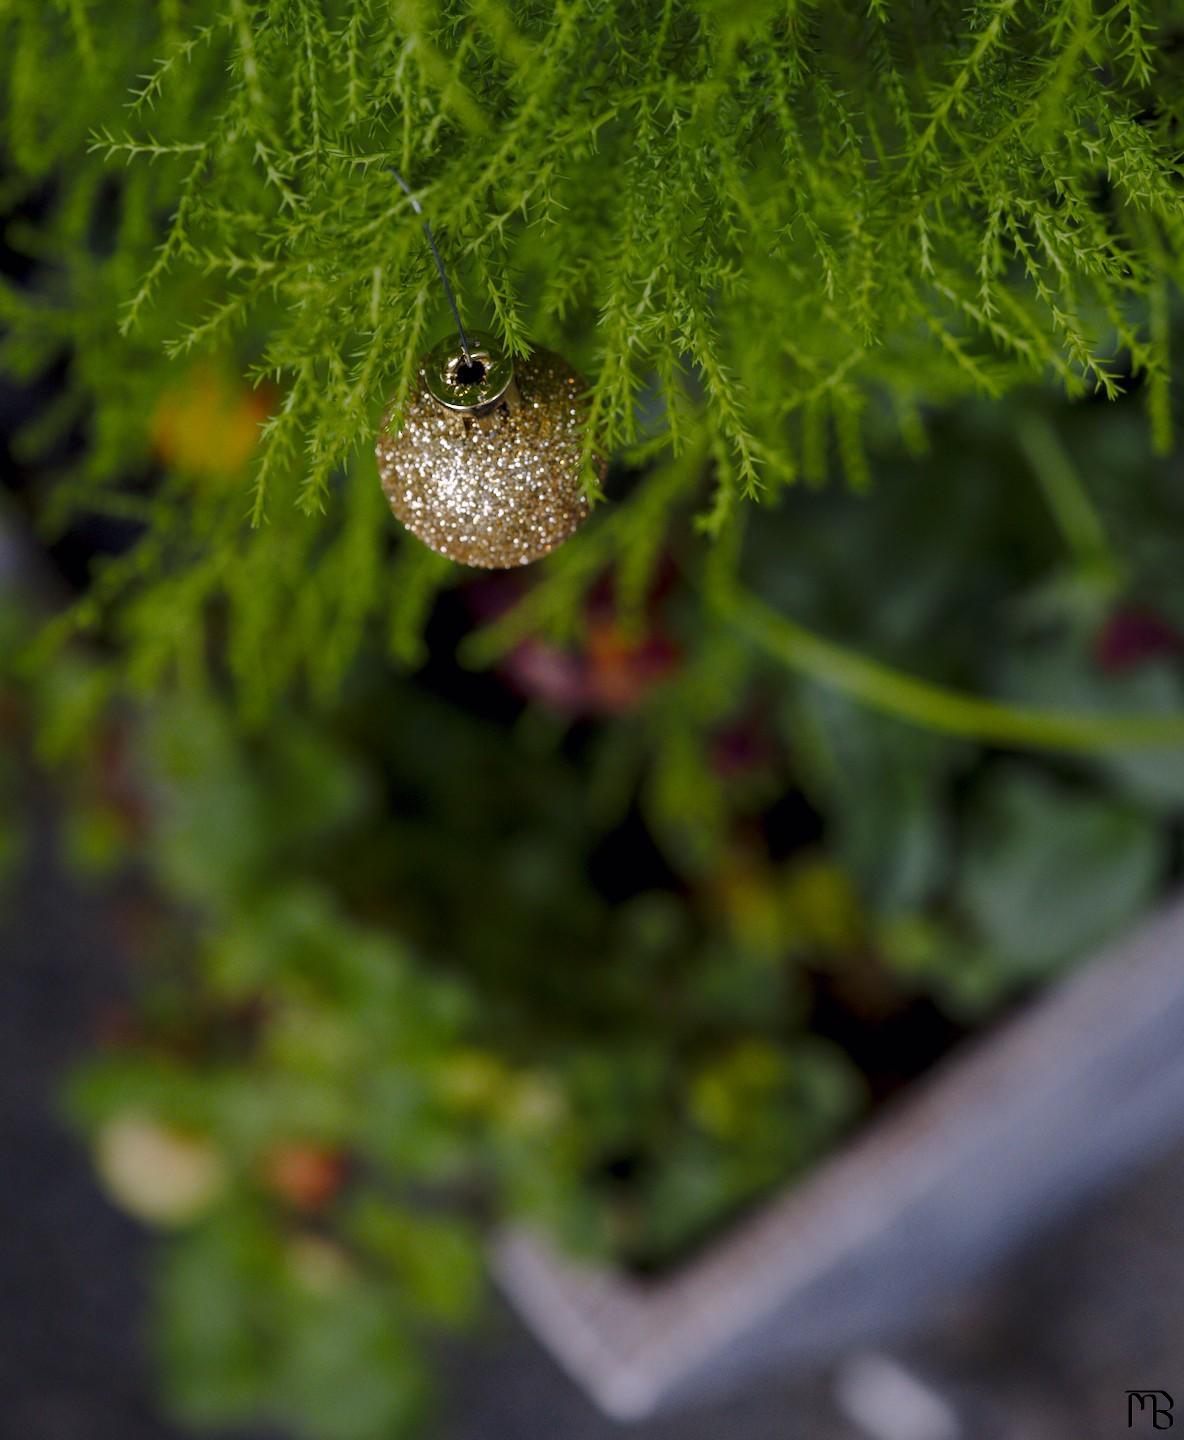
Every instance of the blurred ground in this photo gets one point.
(1043, 1352)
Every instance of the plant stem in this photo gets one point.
(937, 707)
(1067, 497)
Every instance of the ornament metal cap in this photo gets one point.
(470, 384)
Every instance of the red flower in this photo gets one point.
(1132, 637)
(611, 671)
(307, 1176)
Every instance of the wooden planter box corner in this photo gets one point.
(1001, 1137)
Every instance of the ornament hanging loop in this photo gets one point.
(431, 239)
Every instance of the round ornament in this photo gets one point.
(483, 464)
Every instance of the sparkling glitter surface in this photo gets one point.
(499, 490)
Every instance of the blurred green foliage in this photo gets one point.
(612, 936)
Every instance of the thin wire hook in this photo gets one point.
(427, 230)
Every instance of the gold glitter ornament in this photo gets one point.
(483, 464)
